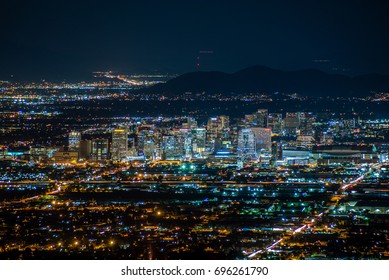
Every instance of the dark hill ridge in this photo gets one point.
(308, 82)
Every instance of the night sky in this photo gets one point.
(68, 39)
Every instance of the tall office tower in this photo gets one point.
(198, 141)
(184, 142)
(276, 151)
(306, 123)
(292, 123)
(156, 136)
(260, 118)
(74, 140)
(99, 149)
(275, 122)
(119, 147)
(146, 133)
(188, 147)
(222, 139)
(85, 149)
(172, 148)
(224, 122)
(216, 125)
(149, 150)
(246, 145)
(262, 138)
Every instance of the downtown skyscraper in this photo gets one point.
(119, 145)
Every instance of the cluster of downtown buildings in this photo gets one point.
(260, 138)
(183, 188)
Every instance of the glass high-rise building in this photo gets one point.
(119, 147)
(99, 149)
(149, 150)
(262, 138)
(199, 141)
(74, 140)
(292, 123)
(246, 145)
(261, 118)
(275, 122)
(306, 123)
(172, 148)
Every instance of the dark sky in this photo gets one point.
(55, 39)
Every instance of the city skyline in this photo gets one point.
(194, 130)
(139, 188)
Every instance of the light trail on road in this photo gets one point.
(314, 219)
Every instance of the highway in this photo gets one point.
(250, 183)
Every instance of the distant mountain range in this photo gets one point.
(262, 79)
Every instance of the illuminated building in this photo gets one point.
(148, 133)
(215, 126)
(275, 123)
(148, 150)
(99, 149)
(249, 118)
(191, 123)
(259, 118)
(172, 148)
(305, 141)
(292, 123)
(38, 153)
(327, 139)
(222, 144)
(119, 147)
(198, 141)
(74, 140)
(276, 151)
(65, 157)
(344, 154)
(246, 145)
(293, 156)
(262, 138)
(383, 152)
(306, 124)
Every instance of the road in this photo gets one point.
(314, 219)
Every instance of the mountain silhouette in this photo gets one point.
(261, 79)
